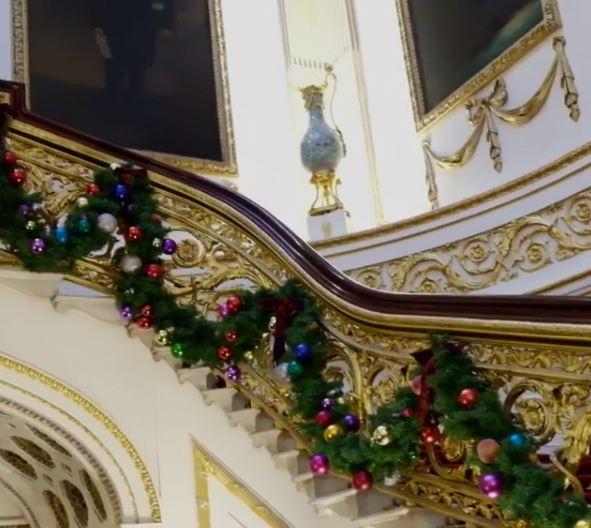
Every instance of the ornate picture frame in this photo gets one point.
(425, 117)
(226, 167)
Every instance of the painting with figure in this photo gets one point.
(138, 73)
(452, 41)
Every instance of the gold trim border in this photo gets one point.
(509, 58)
(207, 465)
(95, 412)
(225, 168)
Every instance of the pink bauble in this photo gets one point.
(319, 464)
(488, 450)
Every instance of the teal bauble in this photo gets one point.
(294, 369)
(61, 235)
(518, 441)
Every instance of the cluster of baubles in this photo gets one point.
(231, 306)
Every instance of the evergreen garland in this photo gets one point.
(392, 441)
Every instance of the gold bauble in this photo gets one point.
(30, 225)
(583, 523)
(382, 435)
(346, 399)
(522, 523)
(332, 432)
(249, 356)
(162, 338)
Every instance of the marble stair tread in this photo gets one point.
(333, 498)
(102, 308)
(227, 398)
(37, 284)
(202, 378)
(379, 519)
(246, 418)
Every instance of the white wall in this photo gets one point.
(5, 40)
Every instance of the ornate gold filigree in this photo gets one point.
(529, 244)
(483, 111)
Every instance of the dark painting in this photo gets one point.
(456, 39)
(138, 73)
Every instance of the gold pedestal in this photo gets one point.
(327, 198)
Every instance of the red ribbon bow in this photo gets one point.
(284, 309)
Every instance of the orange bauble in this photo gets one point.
(488, 450)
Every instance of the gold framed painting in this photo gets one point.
(149, 75)
(454, 48)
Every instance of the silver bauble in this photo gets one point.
(107, 222)
(131, 263)
(391, 480)
(82, 201)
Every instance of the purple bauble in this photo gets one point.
(224, 310)
(169, 246)
(25, 209)
(129, 209)
(351, 422)
(327, 404)
(126, 311)
(233, 373)
(319, 464)
(491, 485)
(38, 245)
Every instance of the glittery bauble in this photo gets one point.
(157, 243)
(351, 422)
(25, 209)
(233, 373)
(131, 263)
(583, 523)
(518, 440)
(430, 434)
(162, 338)
(303, 352)
(82, 202)
(38, 245)
(487, 450)
(491, 485)
(382, 435)
(231, 336)
(362, 480)
(107, 222)
(133, 234)
(332, 432)
(144, 322)
(323, 419)
(223, 310)
(177, 350)
(126, 311)
(61, 235)
(327, 404)
(319, 464)
(468, 398)
(234, 303)
(407, 413)
(416, 385)
(225, 353)
(121, 192)
(154, 271)
(92, 189)
(17, 176)
(391, 480)
(10, 158)
(30, 225)
(169, 246)
(294, 369)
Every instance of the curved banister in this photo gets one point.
(543, 309)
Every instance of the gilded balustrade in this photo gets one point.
(542, 370)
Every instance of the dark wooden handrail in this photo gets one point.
(550, 309)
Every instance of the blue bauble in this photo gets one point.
(303, 352)
(61, 235)
(518, 440)
(121, 192)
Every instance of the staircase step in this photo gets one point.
(273, 440)
(102, 308)
(202, 378)
(37, 284)
(163, 353)
(249, 420)
(341, 502)
(227, 398)
(384, 519)
(317, 486)
(293, 461)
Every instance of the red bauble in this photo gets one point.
(323, 419)
(363, 480)
(468, 398)
(10, 158)
(430, 434)
(154, 271)
(155, 218)
(133, 234)
(145, 323)
(146, 310)
(234, 303)
(225, 353)
(231, 336)
(92, 189)
(407, 413)
(17, 176)
(126, 178)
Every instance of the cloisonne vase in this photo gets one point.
(321, 151)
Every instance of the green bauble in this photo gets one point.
(177, 350)
(294, 369)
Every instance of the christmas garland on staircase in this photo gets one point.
(446, 397)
